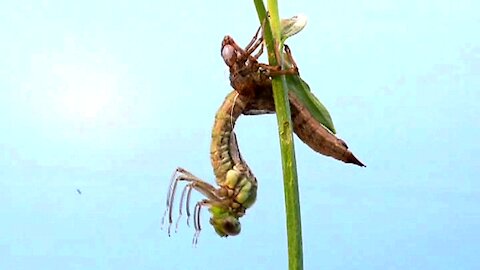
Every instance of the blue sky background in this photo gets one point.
(109, 97)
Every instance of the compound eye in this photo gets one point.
(231, 228)
(229, 55)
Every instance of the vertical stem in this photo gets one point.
(282, 107)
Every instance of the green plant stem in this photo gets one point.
(282, 107)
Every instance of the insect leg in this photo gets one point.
(171, 197)
(181, 174)
(257, 55)
(288, 53)
(196, 219)
(253, 45)
(254, 39)
(187, 205)
(277, 70)
(182, 199)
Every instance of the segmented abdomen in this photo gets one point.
(317, 136)
(311, 132)
(224, 151)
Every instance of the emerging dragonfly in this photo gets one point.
(237, 189)
(251, 78)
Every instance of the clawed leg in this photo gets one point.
(271, 70)
(236, 57)
(199, 185)
(187, 190)
(291, 61)
(170, 197)
(277, 70)
(196, 220)
(196, 183)
(256, 41)
(260, 51)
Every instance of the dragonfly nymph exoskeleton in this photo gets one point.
(250, 78)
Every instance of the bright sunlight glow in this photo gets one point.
(75, 92)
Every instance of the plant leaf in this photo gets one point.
(301, 89)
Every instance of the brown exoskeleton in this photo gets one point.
(250, 78)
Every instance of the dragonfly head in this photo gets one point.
(224, 221)
(229, 53)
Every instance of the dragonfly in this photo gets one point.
(237, 185)
(250, 78)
